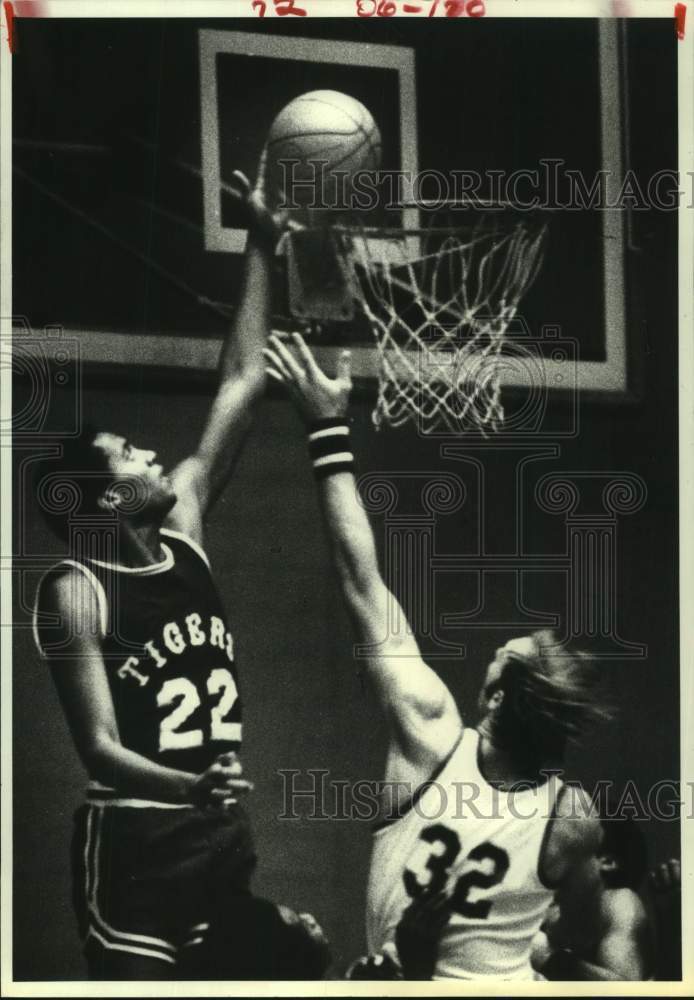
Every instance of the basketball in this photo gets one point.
(317, 135)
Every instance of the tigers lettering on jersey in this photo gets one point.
(175, 639)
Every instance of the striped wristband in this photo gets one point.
(329, 446)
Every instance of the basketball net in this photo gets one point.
(439, 301)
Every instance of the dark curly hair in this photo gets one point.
(71, 484)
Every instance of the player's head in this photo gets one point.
(537, 696)
(252, 938)
(623, 854)
(101, 476)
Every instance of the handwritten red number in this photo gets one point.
(458, 8)
(282, 8)
(288, 7)
(381, 8)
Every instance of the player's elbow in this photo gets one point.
(99, 753)
(247, 377)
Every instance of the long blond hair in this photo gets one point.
(550, 698)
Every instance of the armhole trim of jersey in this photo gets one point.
(189, 541)
(550, 884)
(97, 587)
(410, 803)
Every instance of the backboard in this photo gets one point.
(128, 176)
(463, 135)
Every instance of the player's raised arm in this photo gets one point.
(422, 714)
(199, 479)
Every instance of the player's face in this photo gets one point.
(139, 467)
(524, 646)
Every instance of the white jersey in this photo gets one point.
(482, 846)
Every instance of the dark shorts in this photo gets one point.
(148, 881)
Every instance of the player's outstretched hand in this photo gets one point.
(263, 220)
(315, 395)
(666, 878)
(221, 785)
(418, 934)
(665, 883)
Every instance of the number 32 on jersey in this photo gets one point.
(182, 693)
(493, 862)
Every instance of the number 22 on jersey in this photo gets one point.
(438, 863)
(182, 693)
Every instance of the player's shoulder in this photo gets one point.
(623, 908)
(574, 802)
(576, 827)
(70, 604)
(572, 840)
(64, 585)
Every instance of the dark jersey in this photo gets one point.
(168, 653)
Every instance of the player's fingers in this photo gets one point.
(241, 786)
(439, 902)
(306, 355)
(290, 362)
(277, 377)
(278, 365)
(674, 871)
(218, 795)
(344, 367)
(236, 768)
(241, 183)
(657, 877)
(230, 778)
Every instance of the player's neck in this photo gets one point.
(140, 545)
(502, 766)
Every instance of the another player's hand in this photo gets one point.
(221, 785)
(373, 967)
(418, 934)
(540, 951)
(315, 395)
(666, 877)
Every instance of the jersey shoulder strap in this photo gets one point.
(188, 541)
(41, 619)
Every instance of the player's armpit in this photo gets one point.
(421, 711)
(186, 515)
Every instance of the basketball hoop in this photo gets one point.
(439, 300)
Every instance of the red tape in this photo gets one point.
(680, 18)
(9, 17)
